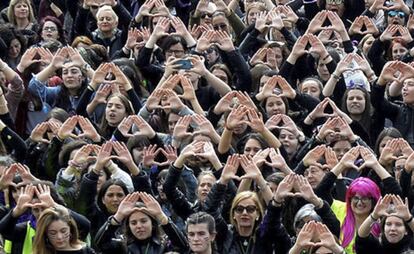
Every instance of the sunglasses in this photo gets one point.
(220, 27)
(335, 2)
(364, 200)
(206, 14)
(395, 13)
(249, 209)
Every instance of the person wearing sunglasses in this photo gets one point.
(250, 230)
(396, 17)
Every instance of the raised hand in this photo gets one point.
(181, 128)
(236, 117)
(66, 130)
(104, 156)
(83, 155)
(43, 194)
(230, 169)
(225, 103)
(24, 201)
(144, 129)
(285, 188)
(255, 122)
(39, 132)
(312, 157)
(152, 207)
(204, 126)
(88, 130)
(127, 206)
(153, 101)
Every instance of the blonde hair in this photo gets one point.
(107, 8)
(243, 196)
(41, 243)
(10, 11)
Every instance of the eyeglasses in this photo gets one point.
(206, 14)
(364, 200)
(220, 27)
(335, 2)
(50, 29)
(175, 52)
(249, 209)
(395, 13)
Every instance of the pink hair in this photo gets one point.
(366, 188)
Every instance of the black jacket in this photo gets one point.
(270, 236)
(108, 240)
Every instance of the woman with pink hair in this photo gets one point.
(361, 197)
(362, 194)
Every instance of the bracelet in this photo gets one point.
(277, 203)
(372, 217)
(409, 220)
(114, 219)
(164, 220)
(334, 76)
(326, 57)
(91, 88)
(311, 118)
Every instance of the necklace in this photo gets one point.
(245, 246)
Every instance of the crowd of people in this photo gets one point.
(210, 126)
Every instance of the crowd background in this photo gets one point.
(218, 126)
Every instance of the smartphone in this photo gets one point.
(185, 64)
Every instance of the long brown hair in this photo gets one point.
(41, 243)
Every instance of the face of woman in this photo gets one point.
(106, 21)
(220, 23)
(58, 233)
(355, 102)
(251, 17)
(361, 205)
(204, 187)
(314, 175)
(137, 154)
(289, 141)
(252, 147)
(21, 10)
(113, 197)
(367, 45)
(140, 225)
(398, 51)
(394, 229)
(72, 76)
(212, 56)
(408, 91)
(15, 48)
(245, 213)
(323, 71)
(278, 56)
(383, 143)
(311, 88)
(341, 147)
(199, 238)
(50, 31)
(275, 105)
(115, 111)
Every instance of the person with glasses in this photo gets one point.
(250, 230)
(362, 194)
(397, 227)
(51, 30)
